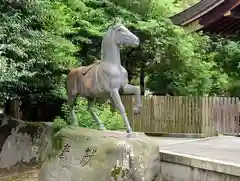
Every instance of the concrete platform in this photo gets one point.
(207, 159)
(223, 148)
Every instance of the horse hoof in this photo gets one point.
(129, 135)
(75, 124)
(102, 128)
(136, 110)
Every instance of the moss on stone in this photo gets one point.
(33, 129)
(121, 172)
(57, 141)
(57, 144)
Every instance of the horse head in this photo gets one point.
(116, 36)
(123, 36)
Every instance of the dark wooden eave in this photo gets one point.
(216, 17)
(195, 11)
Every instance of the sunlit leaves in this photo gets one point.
(31, 49)
(40, 38)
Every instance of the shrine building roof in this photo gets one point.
(212, 16)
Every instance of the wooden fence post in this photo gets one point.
(200, 115)
(203, 130)
(237, 117)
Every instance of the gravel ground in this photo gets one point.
(29, 175)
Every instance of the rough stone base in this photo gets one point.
(82, 154)
(22, 144)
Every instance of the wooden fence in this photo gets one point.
(181, 114)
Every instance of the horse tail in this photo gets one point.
(72, 80)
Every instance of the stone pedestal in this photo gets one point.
(81, 154)
(22, 144)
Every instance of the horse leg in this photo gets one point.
(71, 103)
(118, 103)
(131, 89)
(112, 106)
(94, 115)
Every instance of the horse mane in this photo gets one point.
(97, 61)
(105, 39)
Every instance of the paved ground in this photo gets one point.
(224, 148)
(163, 141)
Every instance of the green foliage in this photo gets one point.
(178, 63)
(41, 39)
(31, 57)
(111, 120)
(182, 63)
(58, 124)
(226, 55)
(180, 5)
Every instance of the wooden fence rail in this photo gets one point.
(183, 114)
(179, 114)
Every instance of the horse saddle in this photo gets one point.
(86, 69)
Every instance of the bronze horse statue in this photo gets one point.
(102, 80)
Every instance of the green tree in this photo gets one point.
(31, 56)
(42, 39)
(226, 55)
